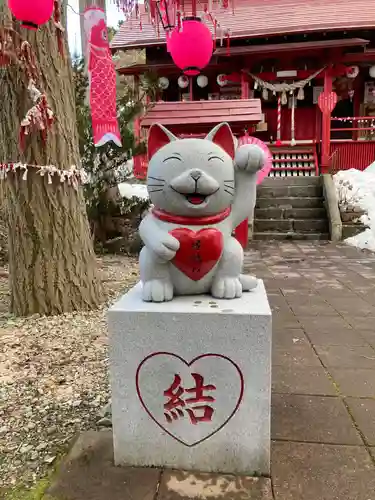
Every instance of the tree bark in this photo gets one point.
(52, 265)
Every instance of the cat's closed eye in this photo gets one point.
(172, 158)
(215, 158)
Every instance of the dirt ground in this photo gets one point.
(53, 377)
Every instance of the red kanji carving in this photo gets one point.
(175, 403)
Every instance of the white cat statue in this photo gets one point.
(199, 195)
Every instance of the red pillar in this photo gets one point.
(359, 85)
(194, 8)
(242, 230)
(242, 233)
(326, 125)
(191, 88)
(244, 86)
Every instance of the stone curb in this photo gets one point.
(332, 206)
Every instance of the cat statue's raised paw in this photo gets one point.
(200, 189)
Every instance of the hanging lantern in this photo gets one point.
(167, 14)
(352, 72)
(202, 81)
(32, 13)
(163, 83)
(372, 71)
(183, 82)
(222, 80)
(191, 48)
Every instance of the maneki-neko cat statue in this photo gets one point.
(200, 189)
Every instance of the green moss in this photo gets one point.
(35, 493)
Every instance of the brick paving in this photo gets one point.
(323, 406)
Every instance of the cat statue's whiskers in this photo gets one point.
(157, 179)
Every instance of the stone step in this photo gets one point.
(294, 225)
(279, 191)
(290, 213)
(293, 202)
(349, 230)
(269, 235)
(292, 181)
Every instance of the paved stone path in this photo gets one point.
(323, 406)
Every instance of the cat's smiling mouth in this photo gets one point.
(196, 198)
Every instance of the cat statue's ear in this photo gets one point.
(223, 137)
(158, 137)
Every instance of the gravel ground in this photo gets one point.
(53, 378)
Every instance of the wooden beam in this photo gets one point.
(292, 47)
(169, 68)
(367, 56)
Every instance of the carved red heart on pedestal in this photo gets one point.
(199, 251)
(190, 401)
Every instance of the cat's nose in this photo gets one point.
(196, 174)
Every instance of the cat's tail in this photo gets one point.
(248, 282)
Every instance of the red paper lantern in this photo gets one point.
(31, 13)
(191, 47)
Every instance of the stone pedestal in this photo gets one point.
(191, 382)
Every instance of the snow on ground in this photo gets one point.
(356, 189)
(129, 191)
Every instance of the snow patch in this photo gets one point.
(356, 190)
(130, 191)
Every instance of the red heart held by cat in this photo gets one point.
(199, 251)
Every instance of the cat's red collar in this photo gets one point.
(191, 221)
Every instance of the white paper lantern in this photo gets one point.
(222, 80)
(372, 71)
(352, 71)
(163, 83)
(202, 81)
(183, 81)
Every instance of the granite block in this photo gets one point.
(191, 382)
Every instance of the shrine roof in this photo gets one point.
(257, 18)
(181, 115)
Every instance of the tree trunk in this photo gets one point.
(52, 264)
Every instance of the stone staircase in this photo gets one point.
(290, 208)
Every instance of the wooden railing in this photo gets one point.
(362, 123)
(351, 154)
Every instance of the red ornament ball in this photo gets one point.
(32, 13)
(191, 48)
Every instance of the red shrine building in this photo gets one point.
(298, 74)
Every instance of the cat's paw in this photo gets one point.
(225, 287)
(157, 291)
(248, 282)
(159, 241)
(249, 158)
(165, 252)
(165, 246)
